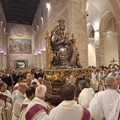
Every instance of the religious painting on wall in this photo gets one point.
(22, 46)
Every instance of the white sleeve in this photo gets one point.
(46, 118)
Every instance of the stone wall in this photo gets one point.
(76, 23)
(3, 42)
(19, 31)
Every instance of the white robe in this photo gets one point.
(66, 110)
(14, 94)
(85, 97)
(40, 114)
(105, 104)
(22, 113)
(18, 100)
(2, 105)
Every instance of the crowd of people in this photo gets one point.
(23, 95)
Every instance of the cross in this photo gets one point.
(113, 61)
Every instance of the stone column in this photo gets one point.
(118, 31)
(35, 61)
(39, 60)
(97, 46)
(35, 46)
(1, 34)
(91, 52)
(4, 61)
(37, 38)
(43, 59)
(102, 56)
(1, 61)
(4, 38)
(78, 26)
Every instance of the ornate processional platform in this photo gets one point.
(62, 59)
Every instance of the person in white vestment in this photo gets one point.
(34, 79)
(15, 88)
(29, 79)
(113, 72)
(118, 83)
(40, 81)
(37, 109)
(86, 94)
(20, 80)
(30, 94)
(94, 80)
(106, 104)
(5, 102)
(18, 100)
(68, 109)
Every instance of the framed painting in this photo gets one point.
(22, 46)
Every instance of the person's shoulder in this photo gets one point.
(99, 94)
(8, 92)
(54, 110)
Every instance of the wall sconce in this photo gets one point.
(39, 52)
(5, 53)
(1, 22)
(37, 26)
(48, 5)
(4, 29)
(1, 51)
(35, 54)
(43, 49)
(42, 15)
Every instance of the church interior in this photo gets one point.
(65, 53)
(95, 25)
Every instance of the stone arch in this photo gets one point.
(90, 31)
(105, 19)
(108, 37)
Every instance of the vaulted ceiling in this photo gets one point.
(20, 11)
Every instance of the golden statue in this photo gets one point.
(61, 50)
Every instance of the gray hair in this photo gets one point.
(110, 81)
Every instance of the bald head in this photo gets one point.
(110, 82)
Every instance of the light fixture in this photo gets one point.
(41, 14)
(38, 26)
(1, 51)
(35, 54)
(48, 5)
(39, 52)
(96, 34)
(4, 29)
(5, 53)
(1, 22)
(43, 49)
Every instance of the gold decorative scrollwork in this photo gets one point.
(49, 52)
(62, 74)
